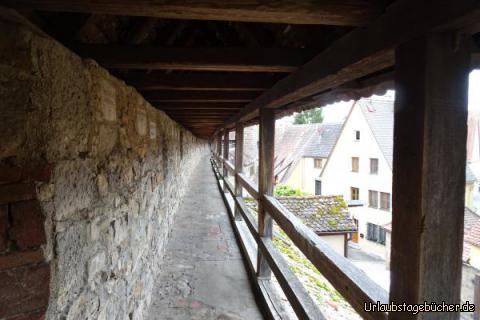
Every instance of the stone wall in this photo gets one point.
(118, 170)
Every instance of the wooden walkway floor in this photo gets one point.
(203, 275)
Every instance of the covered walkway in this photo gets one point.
(203, 275)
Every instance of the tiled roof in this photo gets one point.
(323, 140)
(471, 218)
(322, 214)
(472, 235)
(379, 115)
(306, 140)
(471, 238)
(471, 232)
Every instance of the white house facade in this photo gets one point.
(360, 169)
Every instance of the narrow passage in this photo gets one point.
(203, 275)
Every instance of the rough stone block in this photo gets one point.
(75, 187)
(3, 227)
(16, 192)
(72, 262)
(108, 103)
(24, 289)
(27, 224)
(95, 265)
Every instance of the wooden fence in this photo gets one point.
(255, 238)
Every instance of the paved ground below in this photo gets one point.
(203, 275)
(373, 265)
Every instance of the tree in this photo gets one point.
(309, 116)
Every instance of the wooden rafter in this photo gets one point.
(204, 81)
(207, 59)
(232, 106)
(200, 96)
(140, 32)
(365, 50)
(351, 12)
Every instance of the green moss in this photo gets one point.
(332, 222)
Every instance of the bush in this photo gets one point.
(283, 190)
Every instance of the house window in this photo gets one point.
(317, 163)
(355, 164)
(318, 187)
(375, 233)
(373, 166)
(384, 201)
(357, 135)
(355, 193)
(373, 199)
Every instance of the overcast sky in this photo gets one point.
(338, 111)
(474, 91)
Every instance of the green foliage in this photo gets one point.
(309, 116)
(283, 190)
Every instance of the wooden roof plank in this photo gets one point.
(204, 81)
(346, 12)
(199, 59)
(201, 96)
(234, 106)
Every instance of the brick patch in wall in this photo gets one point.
(15, 192)
(37, 315)
(27, 224)
(24, 274)
(24, 289)
(32, 173)
(20, 258)
(3, 227)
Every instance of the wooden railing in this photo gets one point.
(352, 283)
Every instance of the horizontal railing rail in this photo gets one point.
(248, 185)
(230, 167)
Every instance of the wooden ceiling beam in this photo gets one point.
(198, 120)
(195, 119)
(200, 59)
(204, 81)
(183, 111)
(200, 106)
(345, 12)
(200, 96)
(475, 60)
(365, 50)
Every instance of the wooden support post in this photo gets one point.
(429, 172)
(238, 165)
(225, 156)
(219, 146)
(265, 182)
